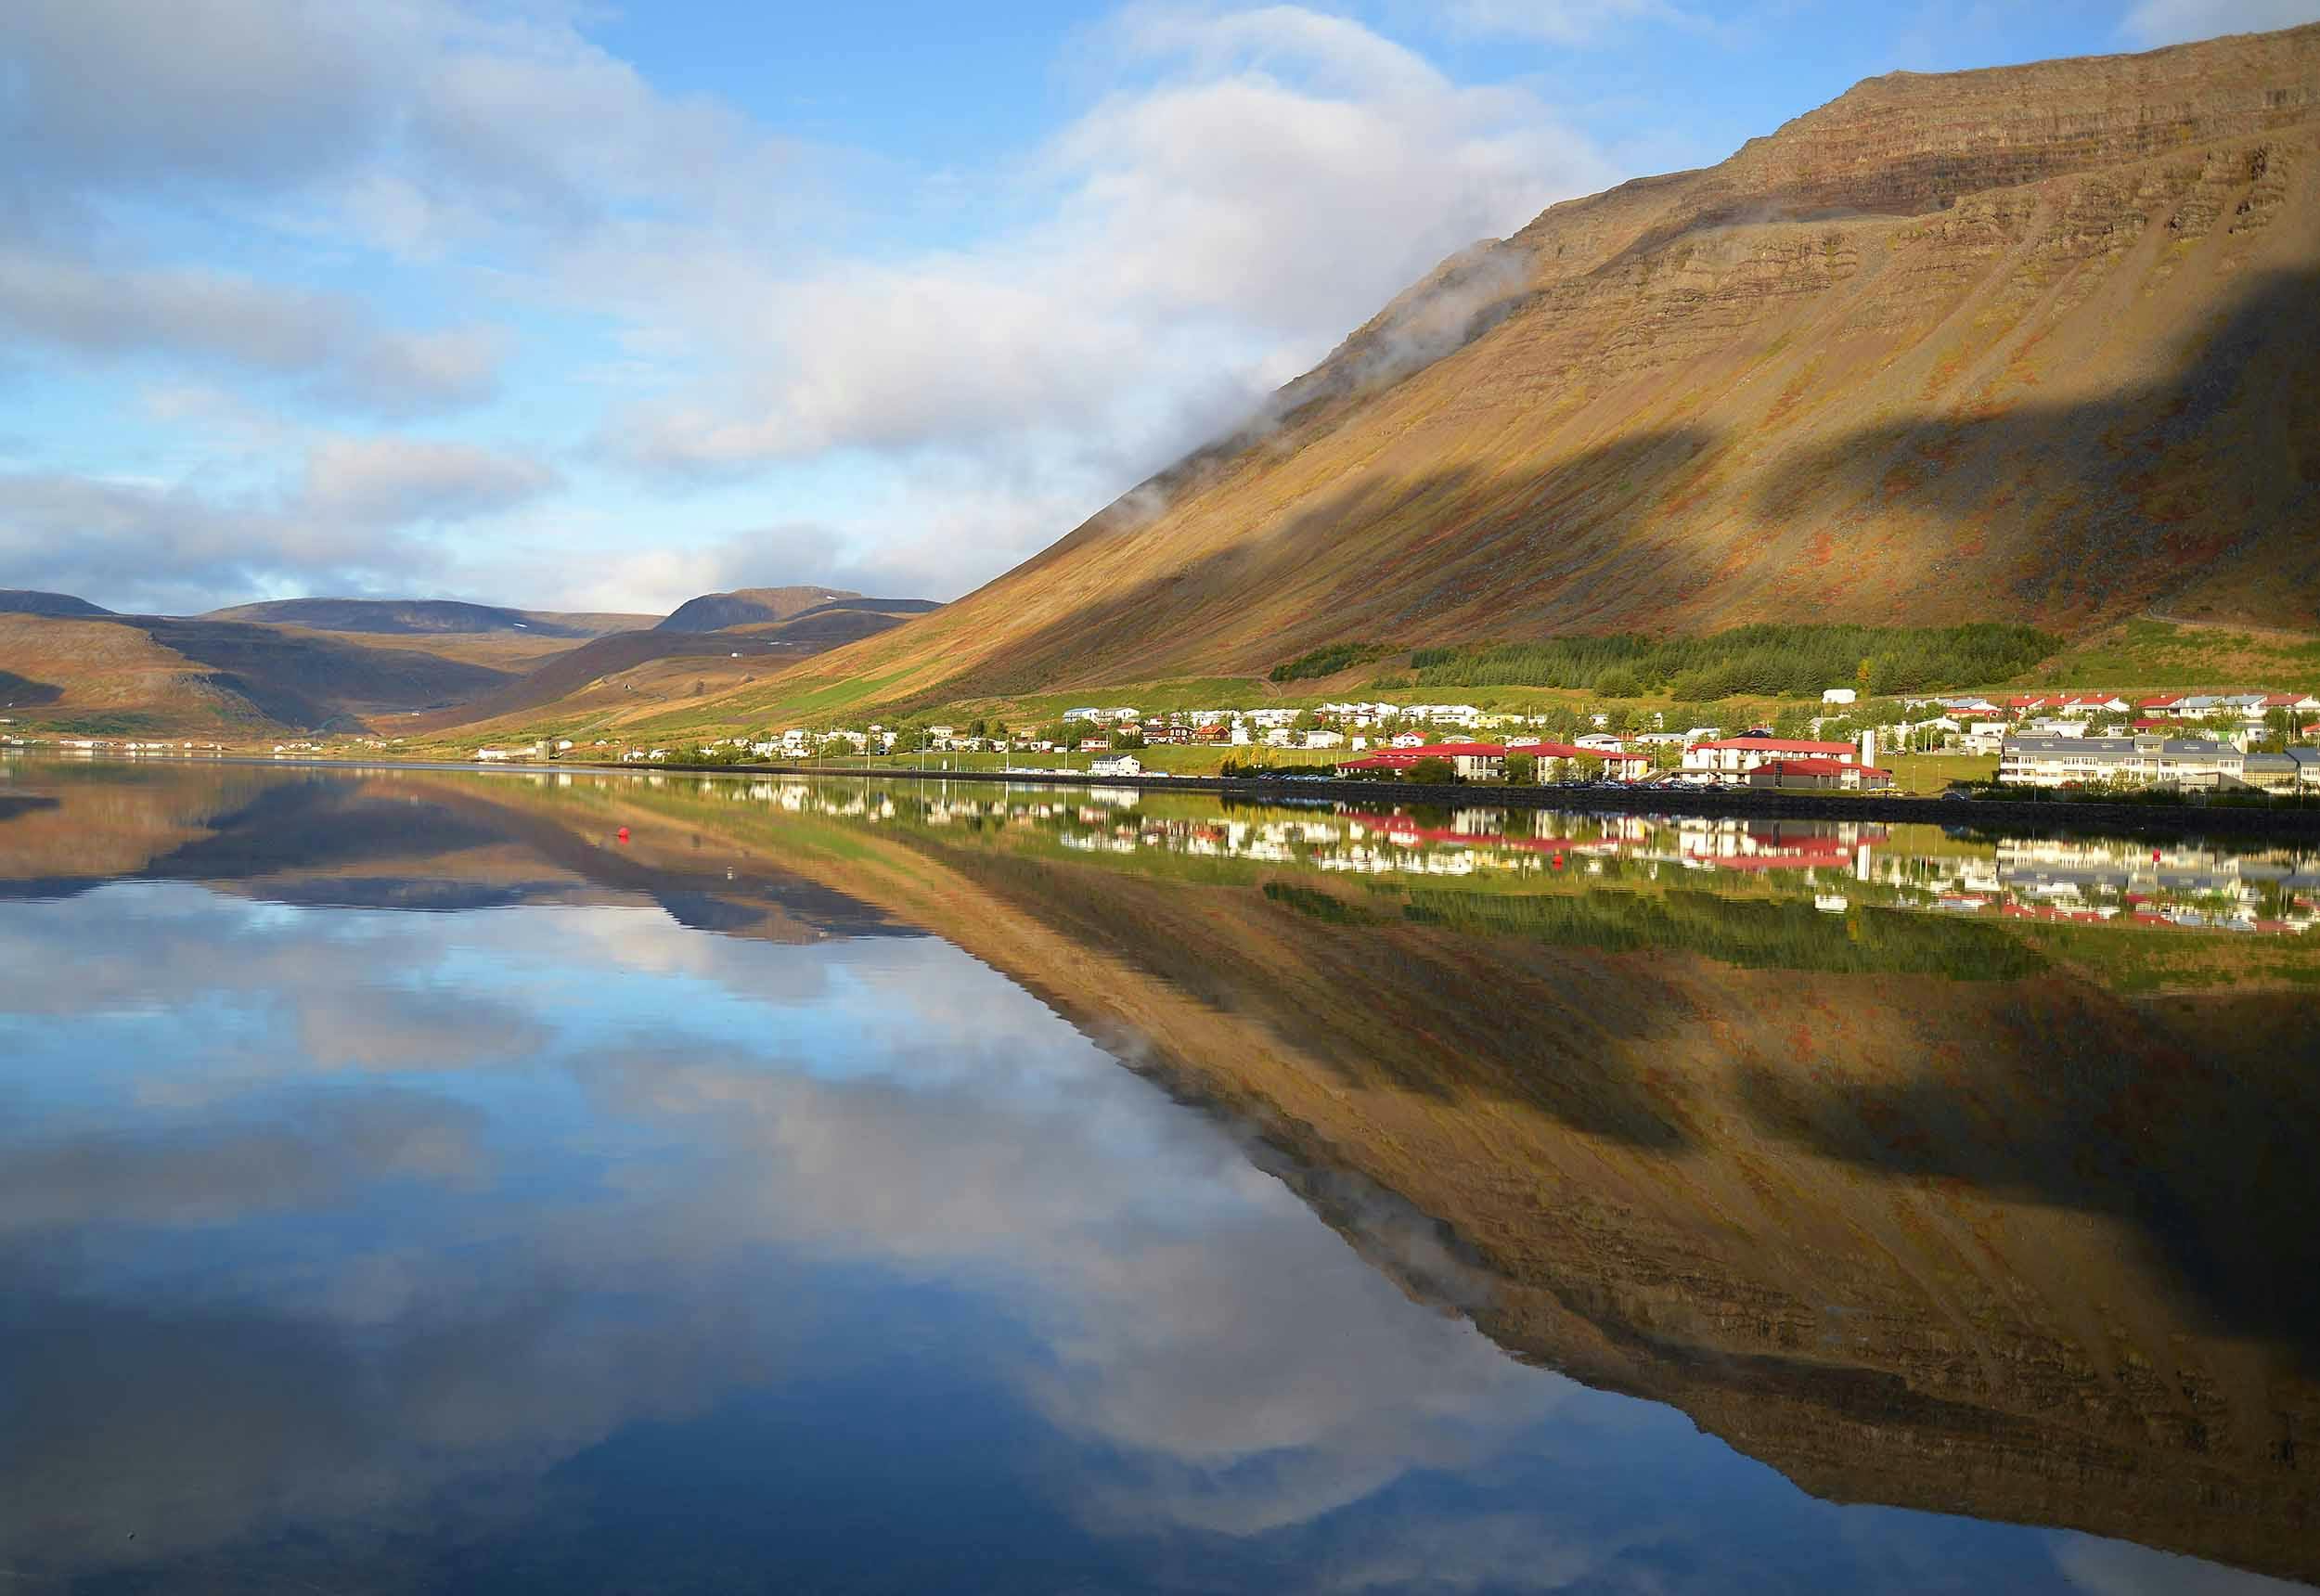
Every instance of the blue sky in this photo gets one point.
(546, 302)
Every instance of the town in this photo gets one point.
(2254, 742)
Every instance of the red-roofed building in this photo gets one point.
(1819, 776)
(1475, 761)
(1738, 756)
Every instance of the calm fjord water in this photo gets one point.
(407, 1185)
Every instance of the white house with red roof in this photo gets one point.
(1727, 756)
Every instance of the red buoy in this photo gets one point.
(621, 833)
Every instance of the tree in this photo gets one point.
(1522, 769)
(1434, 772)
(1128, 737)
(1619, 682)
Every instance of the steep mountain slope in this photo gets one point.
(2030, 342)
(715, 611)
(404, 617)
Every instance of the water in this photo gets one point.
(407, 1185)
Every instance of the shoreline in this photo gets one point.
(2185, 820)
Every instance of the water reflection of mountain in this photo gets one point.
(387, 841)
(2022, 1245)
(1918, 1210)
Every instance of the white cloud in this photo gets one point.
(362, 515)
(1563, 21)
(393, 482)
(1259, 184)
(2153, 22)
(2120, 1568)
(329, 342)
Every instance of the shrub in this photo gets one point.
(1328, 660)
(1768, 659)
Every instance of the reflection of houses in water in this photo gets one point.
(1726, 844)
(2069, 880)
(2088, 879)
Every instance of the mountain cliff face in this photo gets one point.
(2030, 342)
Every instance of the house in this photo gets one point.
(1118, 764)
(2298, 770)
(2147, 760)
(1839, 695)
(1738, 756)
(1819, 776)
(1474, 761)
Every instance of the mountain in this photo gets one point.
(2031, 343)
(636, 670)
(29, 601)
(124, 675)
(406, 617)
(715, 611)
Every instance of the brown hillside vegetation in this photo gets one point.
(2032, 343)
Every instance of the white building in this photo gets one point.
(2145, 761)
(1117, 765)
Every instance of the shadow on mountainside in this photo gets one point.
(2199, 1139)
(2139, 493)
(22, 692)
(2072, 512)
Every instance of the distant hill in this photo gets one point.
(404, 617)
(2031, 343)
(130, 674)
(616, 672)
(29, 601)
(745, 606)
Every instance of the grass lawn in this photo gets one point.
(1932, 772)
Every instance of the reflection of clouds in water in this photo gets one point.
(1192, 1311)
(216, 1174)
(2102, 1568)
(889, 1102)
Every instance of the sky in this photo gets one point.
(585, 306)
